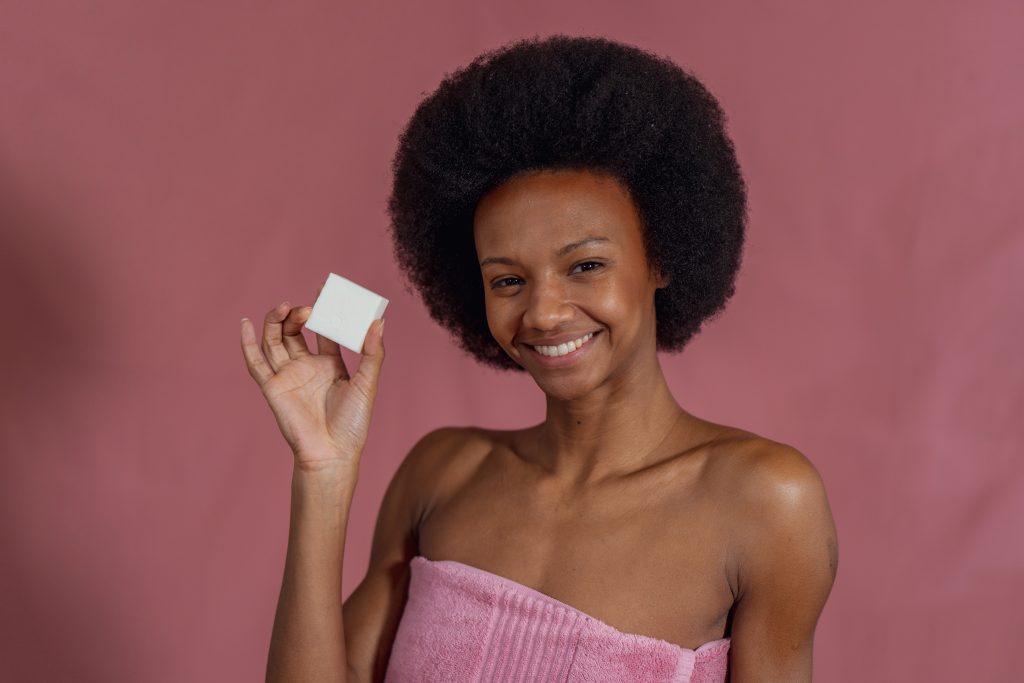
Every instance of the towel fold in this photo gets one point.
(464, 624)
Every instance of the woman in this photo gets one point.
(565, 207)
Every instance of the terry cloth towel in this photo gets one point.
(462, 624)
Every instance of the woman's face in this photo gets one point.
(563, 264)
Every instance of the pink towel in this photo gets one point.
(464, 624)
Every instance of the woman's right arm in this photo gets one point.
(324, 415)
(308, 638)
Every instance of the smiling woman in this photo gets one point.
(564, 261)
(565, 207)
(571, 103)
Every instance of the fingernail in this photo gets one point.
(382, 321)
(286, 303)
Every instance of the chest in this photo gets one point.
(646, 557)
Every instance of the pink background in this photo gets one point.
(166, 168)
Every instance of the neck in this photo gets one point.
(617, 429)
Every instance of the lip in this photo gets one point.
(562, 361)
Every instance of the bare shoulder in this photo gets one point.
(773, 489)
(445, 447)
(760, 471)
(440, 459)
(784, 555)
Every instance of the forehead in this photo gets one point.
(542, 208)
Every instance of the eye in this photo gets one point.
(595, 264)
(503, 282)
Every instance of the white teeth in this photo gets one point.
(563, 349)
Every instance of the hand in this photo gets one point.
(323, 413)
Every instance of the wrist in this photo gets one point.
(324, 475)
(327, 462)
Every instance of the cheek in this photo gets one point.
(500, 317)
(611, 299)
(619, 299)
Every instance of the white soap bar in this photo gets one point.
(344, 311)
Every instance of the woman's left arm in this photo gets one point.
(787, 555)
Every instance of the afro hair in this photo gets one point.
(566, 102)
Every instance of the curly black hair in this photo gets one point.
(570, 102)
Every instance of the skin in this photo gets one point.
(620, 503)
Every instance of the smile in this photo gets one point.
(564, 349)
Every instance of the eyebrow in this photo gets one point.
(572, 246)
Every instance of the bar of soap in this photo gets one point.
(344, 311)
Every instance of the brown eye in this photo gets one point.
(596, 265)
(503, 282)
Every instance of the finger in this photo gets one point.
(259, 370)
(331, 349)
(328, 347)
(291, 332)
(372, 357)
(272, 344)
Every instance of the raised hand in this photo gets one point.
(322, 411)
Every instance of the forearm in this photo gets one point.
(308, 643)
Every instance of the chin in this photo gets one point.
(567, 389)
(564, 384)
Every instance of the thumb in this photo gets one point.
(372, 356)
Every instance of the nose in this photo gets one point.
(547, 306)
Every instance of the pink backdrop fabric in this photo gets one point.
(167, 168)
